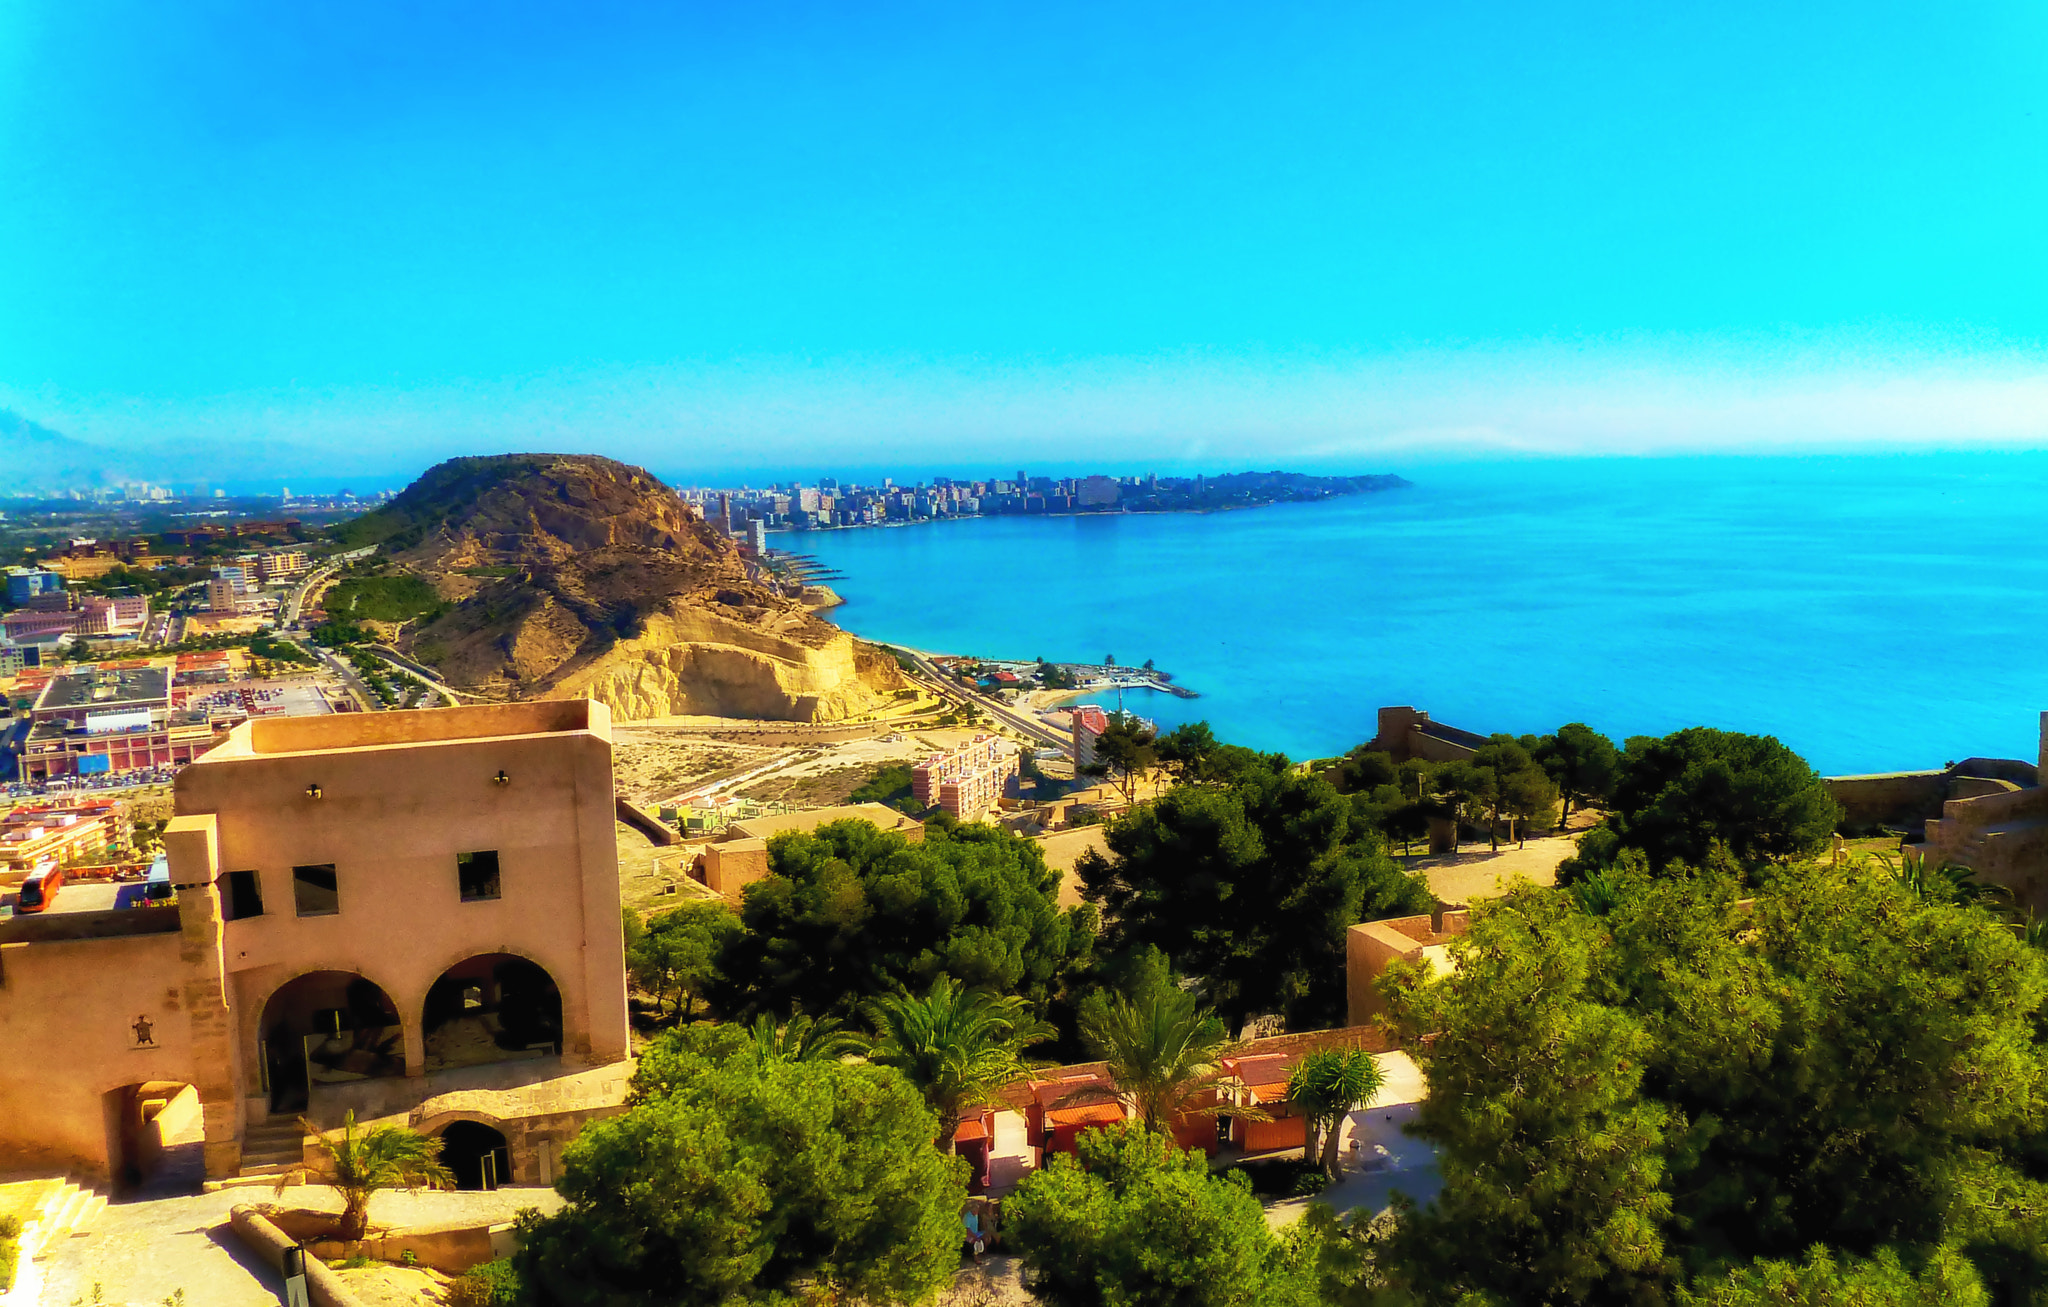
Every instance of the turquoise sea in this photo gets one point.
(1873, 612)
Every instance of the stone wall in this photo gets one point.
(1905, 799)
(69, 1045)
(1373, 946)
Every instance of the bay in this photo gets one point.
(1873, 612)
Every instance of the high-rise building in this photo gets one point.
(25, 583)
(1089, 724)
(1097, 492)
(757, 536)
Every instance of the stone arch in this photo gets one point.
(477, 1148)
(325, 1025)
(154, 1132)
(491, 1006)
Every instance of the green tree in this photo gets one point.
(1461, 789)
(802, 1039)
(1553, 1164)
(1124, 751)
(1132, 1221)
(1681, 796)
(1328, 1085)
(676, 957)
(1162, 1048)
(1509, 784)
(1247, 886)
(1183, 750)
(740, 1179)
(1364, 770)
(1192, 753)
(359, 1166)
(891, 786)
(1659, 1080)
(1581, 762)
(852, 913)
(958, 1046)
(1825, 1280)
(1529, 797)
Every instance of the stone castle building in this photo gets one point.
(414, 916)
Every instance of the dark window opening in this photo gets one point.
(478, 875)
(244, 896)
(315, 891)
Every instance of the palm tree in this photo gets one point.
(805, 1039)
(958, 1046)
(1326, 1086)
(358, 1166)
(1163, 1052)
(1950, 881)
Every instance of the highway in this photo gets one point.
(433, 679)
(288, 615)
(928, 674)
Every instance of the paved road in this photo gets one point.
(947, 688)
(365, 698)
(288, 615)
(431, 677)
(77, 896)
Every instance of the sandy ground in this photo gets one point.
(1063, 849)
(665, 760)
(396, 1286)
(1477, 873)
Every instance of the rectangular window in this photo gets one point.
(478, 875)
(315, 892)
(244, 895)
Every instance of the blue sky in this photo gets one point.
(750, 236)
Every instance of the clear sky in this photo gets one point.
(768, 234)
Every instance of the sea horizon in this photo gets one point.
(1876, 612)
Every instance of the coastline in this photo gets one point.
(1719, 593)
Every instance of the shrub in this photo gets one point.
(10, 1248)
(494, 1284)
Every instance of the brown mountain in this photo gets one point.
(570, 575)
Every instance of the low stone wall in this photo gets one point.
(1902, 799)
(267, 1241)
(451, 1250)
(111, 923)
(654, 828)
(1905, 799)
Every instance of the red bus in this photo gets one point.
(39, 889)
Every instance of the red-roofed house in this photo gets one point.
(1262, 1083)
(1062, 1108)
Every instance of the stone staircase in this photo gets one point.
(272, 1148)
(50, 1210)
(68, 1208)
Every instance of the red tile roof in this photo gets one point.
(1086, 1114)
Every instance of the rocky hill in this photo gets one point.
(567, 575)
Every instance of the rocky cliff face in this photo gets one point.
(573, 575)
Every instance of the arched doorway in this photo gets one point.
(328, 1028)
(155, 1138)
(477, 1154)
(495, 1007)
